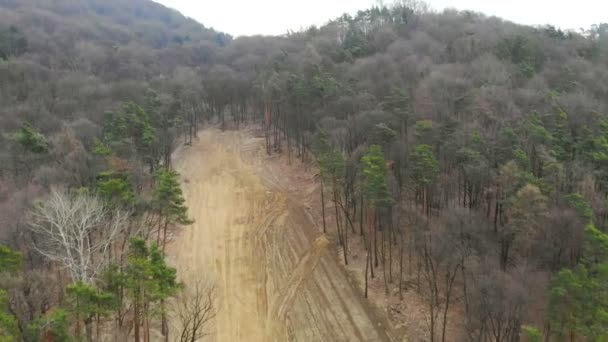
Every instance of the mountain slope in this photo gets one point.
(89, 54)
(487, 178)
(63, 64)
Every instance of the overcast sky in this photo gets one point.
(249, 17)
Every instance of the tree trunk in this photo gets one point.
(376, 221)
(361, 217)
(88, 328)
(158, 234)
(346, 246)
(164, 322)
(146, 323)
(390, 252)
(323, 207)
(165, 235)
(77, 319)
(136, 319)
(384, 262)
(496, 209)
(338, 228)
(267, 126)
(367, 262)
(432, 311)
(401, 268)
(372, 221)
(448, 295)
(464, 288)
(98, 328)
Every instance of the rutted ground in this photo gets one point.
(277, 281)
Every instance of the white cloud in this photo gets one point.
(248, 17)
(561, 13)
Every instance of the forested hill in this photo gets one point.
(67, 60)
(496, 135)
(64, 64)
(64, 67)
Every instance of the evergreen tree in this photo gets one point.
(332, 166)
(149, 281)
(578, 298)
(169, 203)
(31, 140)
(375, 186)
(424, 170)
(9, 331)
(9, 263)
(599, 155)
(54, 326)
(377, 195)
(116, 188)
(132, 128)
(87, 303)
(532, 334)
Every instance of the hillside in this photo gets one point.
(461, 160)
(63, 64)
(69, 60)
(64, 67)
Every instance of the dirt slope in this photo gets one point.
(277, 280)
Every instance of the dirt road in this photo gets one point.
(276, 279)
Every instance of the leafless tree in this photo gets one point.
(194, 309)
(77, 231)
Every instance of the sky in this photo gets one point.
(274, 17)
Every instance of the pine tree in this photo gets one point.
(424, 170)
(578, 298)
(532, 334)
(116, 188)
(54, 326)
(31, 140)
(332, 166)
(377, 195)
(87, 303)
(10, 262)
(149, 281)
(169, 203)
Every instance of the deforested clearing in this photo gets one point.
(253, 236)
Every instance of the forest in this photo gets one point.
(466, 153)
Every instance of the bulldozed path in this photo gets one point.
(276, 277)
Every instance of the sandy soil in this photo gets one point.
(255, 238)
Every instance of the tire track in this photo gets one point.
(308, 262)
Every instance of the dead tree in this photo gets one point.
(76, 231)
(194, 309)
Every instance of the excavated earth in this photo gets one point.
(276, 276)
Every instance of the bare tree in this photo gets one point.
(440, 265)
(77, 231)
(194, 309)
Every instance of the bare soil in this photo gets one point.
(278, 277)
